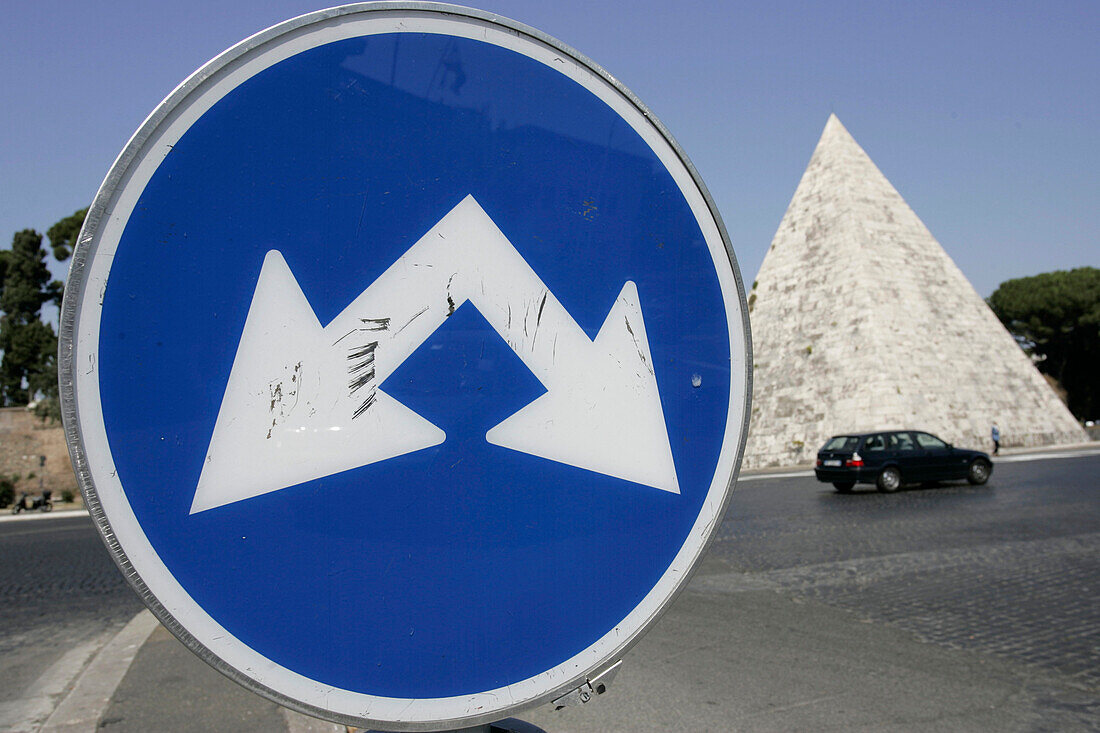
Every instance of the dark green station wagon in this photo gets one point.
(891, 458)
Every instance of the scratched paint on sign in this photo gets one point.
(597, 391)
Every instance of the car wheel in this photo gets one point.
(844, 487)
(978, 472)
(889, 480)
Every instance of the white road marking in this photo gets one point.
(39, 699)
(85, 704)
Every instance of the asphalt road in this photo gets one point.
(945, 608)
(1011, 568)
(61, 598)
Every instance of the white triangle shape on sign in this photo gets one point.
(609, 418)
(303, 401)
(285, 418)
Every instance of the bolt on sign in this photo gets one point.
(405, 366)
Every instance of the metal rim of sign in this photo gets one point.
(90, 452)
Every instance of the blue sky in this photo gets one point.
(984, 115)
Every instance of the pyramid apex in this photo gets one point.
(835, 131)
(837, 154)
(850, 253)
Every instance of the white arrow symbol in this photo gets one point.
(303, 402)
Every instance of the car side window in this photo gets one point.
(929, 442)
(875, 442)
(846, 443)
(901, 441)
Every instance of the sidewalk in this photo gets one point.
(726, 656)
(145, 679)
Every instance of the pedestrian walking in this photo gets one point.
(996, 433)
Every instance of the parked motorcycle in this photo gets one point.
(28, 503)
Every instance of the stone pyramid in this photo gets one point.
(860, 321)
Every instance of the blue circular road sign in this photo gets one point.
(405, 365)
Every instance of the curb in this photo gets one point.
(82, 708)
(1076, 452)
(30, 517)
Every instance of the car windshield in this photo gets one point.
(842, 443)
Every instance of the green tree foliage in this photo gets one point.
(28, 366)
(63, 234)
(1056, 316)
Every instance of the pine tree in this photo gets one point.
(1056, 317)
(29, 364)
(63, 234)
